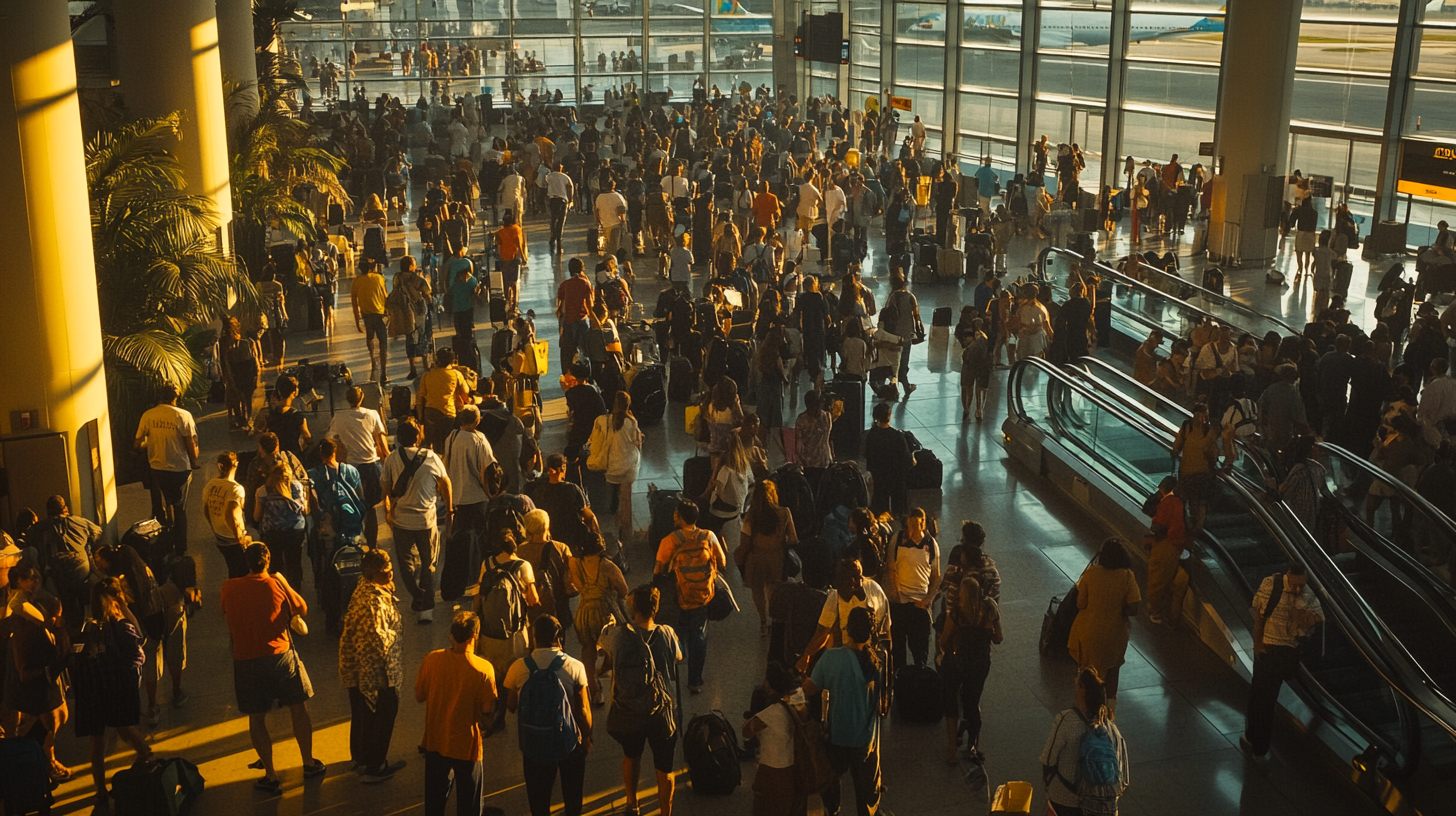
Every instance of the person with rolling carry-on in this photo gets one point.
(914, 572)
(852, 675)
(547, 690)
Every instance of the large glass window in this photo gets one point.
(987, 68)
(988, 115)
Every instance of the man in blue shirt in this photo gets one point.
(851, 675)
(462, 292)
(986, 181)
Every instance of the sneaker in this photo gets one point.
(180, 698)
(426, 616)
(270, 786)
(317, 769)
(383, 774)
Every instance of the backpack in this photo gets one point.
(551, 580)
(711, 751)
(500, 605)
(762, 268)
(503, 513)
(1248, 416)
(641, 701)
(614, 293)
(547, 726)
(692, 564)
(813, 770)
(342, 504)
(1099, 774)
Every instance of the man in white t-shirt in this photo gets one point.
(610, 210)
(540, 777)
(914, 580)
(680, 269)
(364, 443)
(222, 497)
(560, 193)
(416, 489)
(851, 589)
(467, 454)
(808, 210)
(169, 436)
(886, 348)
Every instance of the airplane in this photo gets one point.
(1061, 28)
(730, 17)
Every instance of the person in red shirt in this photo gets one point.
(1166, 542)
(573, 301)
(259, 609)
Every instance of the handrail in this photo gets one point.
(1105, 270)
(1409, 571)
(1435, 703)
(1374, 653)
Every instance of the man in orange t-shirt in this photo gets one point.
(459, 693)
(766, 209)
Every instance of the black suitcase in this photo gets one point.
(25, 783)
(917, 695)
(336, 215)
(821, 237)
(1343, 271)
(342, 570)
(740, 363)
(926, 250)
(847, 433)
(1083, 245)
(500, 346)
(942, 316)
(498, 313)
(1213, 280)
(927, 473)
(697, 473)
(455, 572)
(1056, 624)
(649, 394)
(661, 505)
(593, 241)
(682, 380)
(146, 538)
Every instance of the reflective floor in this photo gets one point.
(1180, 710)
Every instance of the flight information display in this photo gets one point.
(1428, 169)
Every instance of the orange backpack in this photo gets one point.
(692, 563)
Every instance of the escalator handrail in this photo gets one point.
(1414, 575)
(1389, 657)
(1104, 270)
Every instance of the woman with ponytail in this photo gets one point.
(965, 662)
(1085, 779)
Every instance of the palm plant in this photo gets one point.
(161, 279)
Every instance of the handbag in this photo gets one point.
(919, 330)
(597, 446)
(722, 603)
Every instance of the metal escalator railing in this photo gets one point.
(1411, 602)
(1167, 291)
(1359, 679)
(1391, 549)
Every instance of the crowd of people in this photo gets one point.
(732, 190)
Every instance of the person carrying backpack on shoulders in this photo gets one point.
(507, 591)
(547, 690)
(851, 674)
(693, 557)
(1084, 763)
(644, 655)
(416, 489)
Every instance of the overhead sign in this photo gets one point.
(1428, 169)
(900, 102)
(1205, 148)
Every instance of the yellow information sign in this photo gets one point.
(900, 102)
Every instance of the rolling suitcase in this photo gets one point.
(158, 787)
(1213, 279)
(847, 433)
(593, 241)
(697, 473)
(649, 394)
(927, 473)
(917, 695)
(950, 264)
(682, 380)
(25, 784)
(500, 346)
(1343, 271)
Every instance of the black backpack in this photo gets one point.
(796, 494)
(641, 701)
(503, 513)
(711, 750)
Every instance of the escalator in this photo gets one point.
(1375, 674)
(1161, 299)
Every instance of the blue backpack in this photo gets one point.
(1099, 774)
(547, 725)
(340, 501)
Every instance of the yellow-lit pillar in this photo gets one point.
(237, 56)
(51, 375)
(167, 52)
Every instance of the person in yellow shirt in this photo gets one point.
(459, 692)
(368, 294)
(442, 391)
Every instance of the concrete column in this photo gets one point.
(169, 61)
(49, 322)
(238, 58)
(1026, 86)
(1253, 141)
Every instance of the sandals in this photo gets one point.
(317, 769)
(269, 786)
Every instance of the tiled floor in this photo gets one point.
(1180, 710)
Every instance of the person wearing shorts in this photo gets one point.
(666, 654)
(510, 243)
(259, 609)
